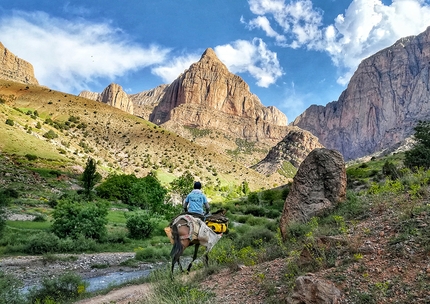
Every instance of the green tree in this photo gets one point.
(90, 176)
(117, 186)
(183, 184)
(149, 194)
(72, 219)
(419, 155)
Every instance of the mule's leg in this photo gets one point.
(206, 258)
(196, 249)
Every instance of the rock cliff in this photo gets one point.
(14, 68)
(208, 96)
(386, 96)
(293, 149)
(112, 95)
(145, 102)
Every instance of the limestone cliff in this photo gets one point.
(293, 149)
(14, 68)
(145, 102)
(208, 96)
(386, 96)
(112, 95)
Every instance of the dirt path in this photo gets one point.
(124, 295)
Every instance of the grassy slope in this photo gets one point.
(119, 141)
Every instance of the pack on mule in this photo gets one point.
(186, 230)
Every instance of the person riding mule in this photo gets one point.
(185, 231)
(195, 201)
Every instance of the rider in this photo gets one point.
(194, 202)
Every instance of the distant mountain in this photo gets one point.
(386, 96)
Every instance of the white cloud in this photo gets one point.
(366, 27)
(251, 57)
(69, 55)
(176, 66)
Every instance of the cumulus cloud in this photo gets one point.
(366, 27)
(68, 55)
(251, 57)
(170, 71)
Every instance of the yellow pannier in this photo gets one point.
(217, 227)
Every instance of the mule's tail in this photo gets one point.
(177, 245)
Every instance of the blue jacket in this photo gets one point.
(195, 201)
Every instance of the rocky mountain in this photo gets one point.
(208, 96)
(289, 153)
(386, 96)
(112, 95)
(145, 102)
(14, 68)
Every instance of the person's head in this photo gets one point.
(197, 185)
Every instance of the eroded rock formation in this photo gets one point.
(208, 96)
(14, 68)
(112, 95)
(145, 102)
(318, 186)
(387, 95)
(292, 149)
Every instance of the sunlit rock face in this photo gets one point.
(208, 96)
(14, 68)
(386, 96)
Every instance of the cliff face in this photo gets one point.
(144, 102)
(14, 68)
(208, 96)
(112, 95)
(387, 95)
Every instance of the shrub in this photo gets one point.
(42, 242)
(140, 224)
(50, 135)
(254, 210)
(10, 122)
(10, 289)
(254, 236)
(152, 253)
(72, 219)
(66, 287)
(30, 157)
(419, 155)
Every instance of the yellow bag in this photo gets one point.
(217, 227)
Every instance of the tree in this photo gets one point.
(90, 176)
(183, 184)
(419, 155)
(149, 194)
(117, 186)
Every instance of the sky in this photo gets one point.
(292, 53)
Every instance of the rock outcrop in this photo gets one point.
(318, 186)
(208, 96)
(293, 149)
(14, 68)
(115, 96)
(89, 95)
(311, 289)
(112, 95)
(386, 96)
(145, 102)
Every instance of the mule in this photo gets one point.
(186, 231)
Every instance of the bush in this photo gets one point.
(9, 122)
(64, 288)
(140, 224)
(30, 157)
(255, 210)
(152, 253)
(254, 236)
(419, 155)
(50, 135)
(10, 289)
(72, 219)
(42, 242)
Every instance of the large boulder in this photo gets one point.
(312, 290)
(318, 186)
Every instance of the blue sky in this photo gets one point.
(291, 53)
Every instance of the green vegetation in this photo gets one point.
(419, 155)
